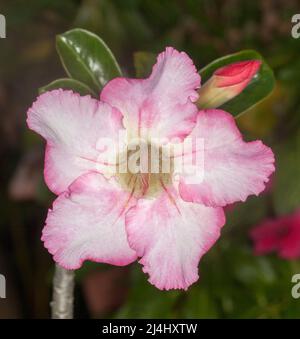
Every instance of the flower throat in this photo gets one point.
(145, 170)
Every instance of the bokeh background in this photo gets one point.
(234, 282)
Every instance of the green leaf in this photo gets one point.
(66, 83)
(143, 63)
(86, 58)
(259, 87)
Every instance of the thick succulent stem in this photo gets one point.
(63, 294)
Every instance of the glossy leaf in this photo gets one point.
(86, 58)
(260, 86)
(66, 83)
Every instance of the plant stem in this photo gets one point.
(63, 290)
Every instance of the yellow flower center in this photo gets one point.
(145, 170)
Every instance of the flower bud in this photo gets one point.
(226, 83)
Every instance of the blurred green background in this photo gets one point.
(234, 283)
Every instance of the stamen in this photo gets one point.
(145, 184)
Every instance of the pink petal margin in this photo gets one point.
(72, 126)
(171, 236)
(88, 223)
(233, 168)
(160, 106)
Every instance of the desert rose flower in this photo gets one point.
(280, 235)
(168, 221)
(227, 82)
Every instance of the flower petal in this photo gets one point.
(171, 236)
(88, 223)
(267, 236)
(281, 235)
(160, 106)
(72, 126)
(233, 169)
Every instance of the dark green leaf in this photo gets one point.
(259, 87)
(66, 83)
(86, 58)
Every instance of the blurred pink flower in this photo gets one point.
(281, 235)
(115, 219)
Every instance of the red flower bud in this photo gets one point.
(226, 83)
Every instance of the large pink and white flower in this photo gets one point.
(167, 221)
